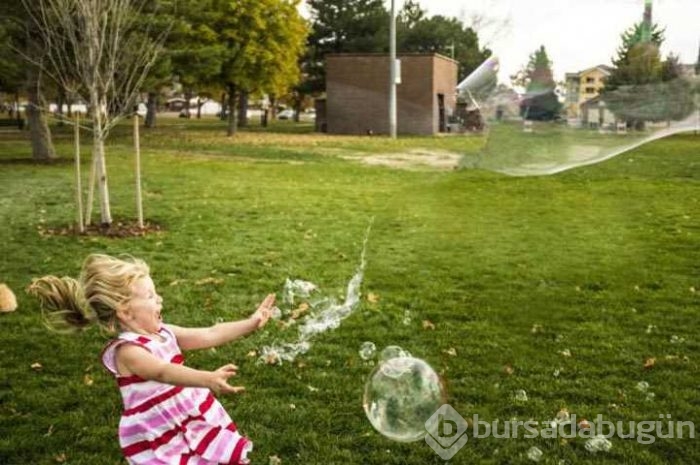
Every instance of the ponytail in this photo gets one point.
(63, 304)
(69, 305)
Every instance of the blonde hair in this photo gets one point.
(103, 286)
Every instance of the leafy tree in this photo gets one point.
(540, 101)
(641, 86)
(439, 34)
(242, 46)
(20, 40)
(342, 26)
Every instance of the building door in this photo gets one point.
(441, 113)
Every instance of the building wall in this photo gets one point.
(581, 87)
(357, 93)
(591, 83)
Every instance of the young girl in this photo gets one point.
(170, 415)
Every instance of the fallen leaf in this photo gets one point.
(301, 309)
(252, 353)
(311, 388)
(508, 369)
(649, 363)
(427, 324)
(274, 460)
(536, 329)
(87, 380)
(60, 458)
(36, 366)
(209, 280)
(292, 406)
(372, 298)
(451, 352)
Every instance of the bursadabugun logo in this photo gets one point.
(446, 432)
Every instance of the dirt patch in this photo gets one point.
(417, 159)
(118, 229)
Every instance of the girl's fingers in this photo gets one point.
(230, 368)
(233, 389)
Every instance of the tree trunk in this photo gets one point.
(273, 107)
(188, 97)
(199, 108)
(243, 109)
(222, 115)
(232, 114)
(151, 106)
(78, 176)
(39, 133)
(137, 167)
(99, 106)
(60, 99)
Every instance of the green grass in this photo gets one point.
(594, 256)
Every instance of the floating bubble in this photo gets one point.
(520, 395)
(400, 395)
(533, 126)
(390, 352)
(599, 443)
(367, 350)
(534, 454)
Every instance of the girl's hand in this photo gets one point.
(218, 382)
(264, 311)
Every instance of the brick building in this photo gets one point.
(357, 93)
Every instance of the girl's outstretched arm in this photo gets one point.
(135, 360)
(221, 333)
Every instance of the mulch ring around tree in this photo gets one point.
(117, 229)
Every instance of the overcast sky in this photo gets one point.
(521, 26)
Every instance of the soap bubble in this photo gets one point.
(540, 130)
(599, 443)
(400, 395)
(367, 350)
(534, 454)
(390, 352)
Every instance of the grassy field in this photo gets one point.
(563, 286)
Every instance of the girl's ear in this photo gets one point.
(123, 312)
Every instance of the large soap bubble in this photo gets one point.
(400, 395)
(601, 112)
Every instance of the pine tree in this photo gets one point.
(540, 102)
(642, 87)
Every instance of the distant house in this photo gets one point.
(594, 114)
(357, 94)
(581, 87)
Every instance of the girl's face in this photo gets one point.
(144, 307)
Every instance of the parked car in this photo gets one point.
(286, 114)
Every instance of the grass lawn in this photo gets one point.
(562, 286)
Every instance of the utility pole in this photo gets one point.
(392, 72)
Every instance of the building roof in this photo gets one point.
(398, 55)
(604, 68)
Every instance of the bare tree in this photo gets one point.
(97, 50)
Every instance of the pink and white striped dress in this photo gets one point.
(174, 425)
